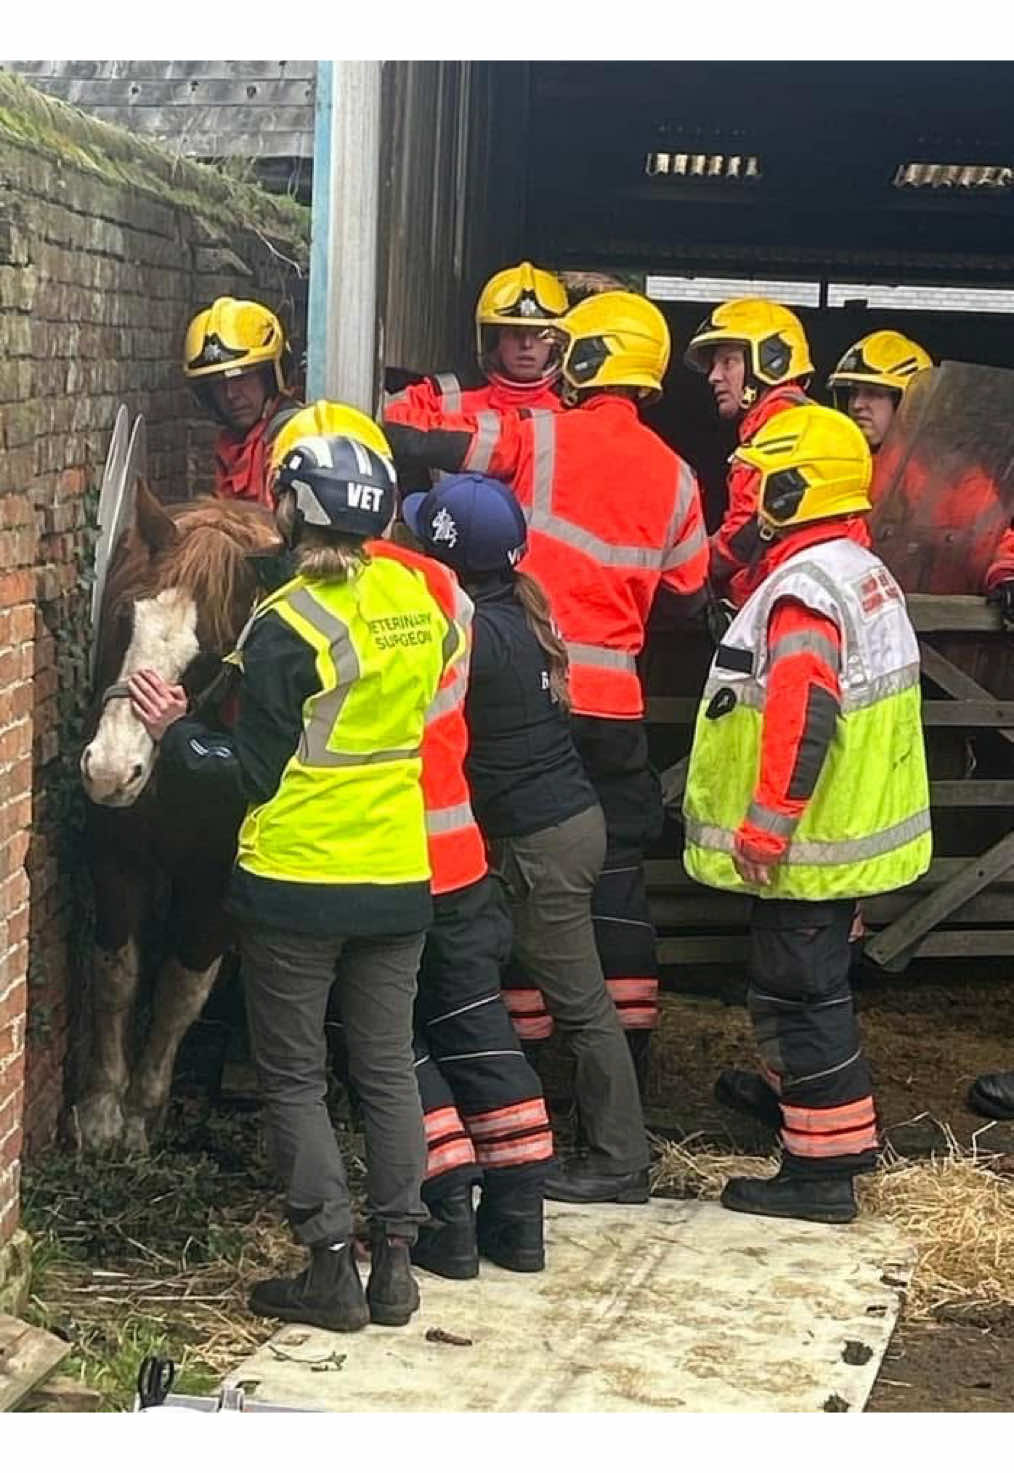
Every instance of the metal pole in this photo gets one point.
(320, 223)
(343, 324)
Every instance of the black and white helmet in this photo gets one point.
(339, 484)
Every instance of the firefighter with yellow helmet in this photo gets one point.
(807, 789)
(871, 377)
(756, 358)
(235, 358)
(517, 352)
(615, 531)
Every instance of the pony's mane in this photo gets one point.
(208, 561)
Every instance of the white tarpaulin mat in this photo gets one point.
(674, 1306)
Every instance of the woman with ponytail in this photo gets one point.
(536, 806)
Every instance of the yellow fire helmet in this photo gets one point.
(615, 338)
(773, 337)
(885, 359)
(231, 337)
(323, 418)
(518, 296)
(814, 463)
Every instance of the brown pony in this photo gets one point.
(180, 588)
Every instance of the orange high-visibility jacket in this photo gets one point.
(612, 514)
(457, 852)
(444, 393)
(733, 546)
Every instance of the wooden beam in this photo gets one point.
(895, 945)
(951, 613)
(668, 876)
(968, 713)
(671, 710)
(972, 793)
(27, 1355)
(954, 681)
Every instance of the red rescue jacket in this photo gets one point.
(612, 513)
(457, 852)
(732, 546)
(444, 394)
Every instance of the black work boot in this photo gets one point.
(579, 1180)
(446, 1246)
(392, 1293)
(750, 1095)
(509, 1230)
(791, 1194)
(328, 1293)
(992, 1095)
(639, 1044)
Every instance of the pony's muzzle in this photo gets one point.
(112, 784)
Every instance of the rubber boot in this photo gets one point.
(392, 1293)
(793, 1194)
(328, 1293)
(639, 1044)
(750, 1095)
(510, 1233)
(992, 1095)
(447, 1246)
(577, 1180)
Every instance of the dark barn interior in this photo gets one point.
(823, 203)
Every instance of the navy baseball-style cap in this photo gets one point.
(472, 523)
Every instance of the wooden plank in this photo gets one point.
(27, 1355)
(954, 681)
(696, 950)
(671, 710)
(972, 793)
(966, 943)
(669, 876)
(957, 613)
(968, 713)
(63, 1394)
(697, 912)
(899, 941)
(720, 950)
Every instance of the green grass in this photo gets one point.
(136, 1257)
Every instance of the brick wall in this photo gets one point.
(106, 249)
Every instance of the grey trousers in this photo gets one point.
(549, 877)
(287, 978)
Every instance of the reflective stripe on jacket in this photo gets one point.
(612, 513)
(456, 849)
(444, 393)
(866, 829)
(349, 806)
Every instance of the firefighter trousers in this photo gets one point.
(483, 1106)
(615, 757)
(806, 1032)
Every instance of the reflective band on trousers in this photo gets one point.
(602, 658)
(813, 851)
(446, 820)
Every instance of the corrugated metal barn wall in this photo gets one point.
(452, 178)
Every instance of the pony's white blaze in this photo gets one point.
(117, 762)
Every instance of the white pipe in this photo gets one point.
(350, 296)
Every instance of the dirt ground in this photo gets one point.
(928, 1034)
